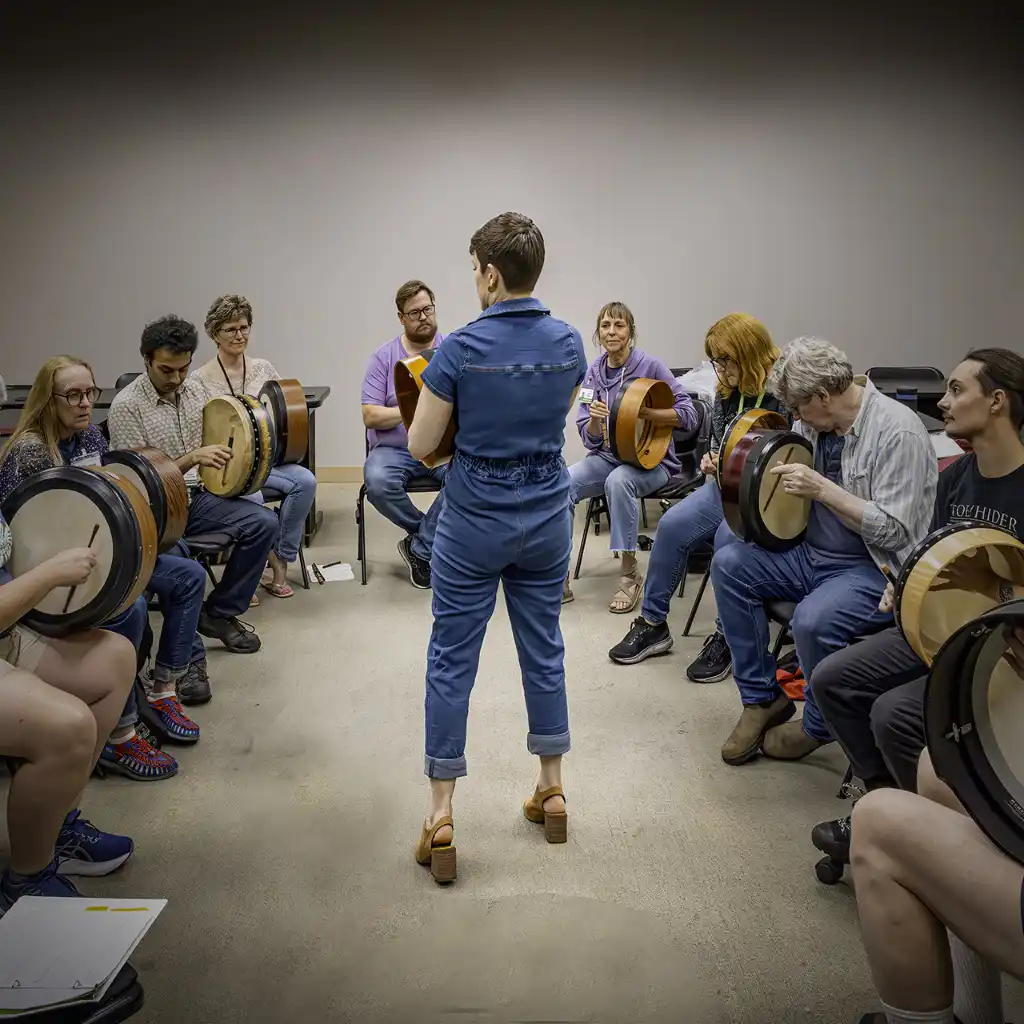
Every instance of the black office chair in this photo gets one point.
(690, 446)
(125, 379)
(925, 374)
(422, 485)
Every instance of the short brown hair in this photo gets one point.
(408, 290)
(616, 310)
(514, 246)
(225, 309)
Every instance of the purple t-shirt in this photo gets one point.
(379, 389)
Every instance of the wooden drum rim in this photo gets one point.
(408, 378)
(118, 513)
(647, 450)
(214, 480)
(929, 559)
(741, 424)
(266, 442)
(289, 413)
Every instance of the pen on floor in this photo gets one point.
(329, 564)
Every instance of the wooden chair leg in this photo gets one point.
(696, 601)
(643, 512)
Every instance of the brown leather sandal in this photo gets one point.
(556, 826)
(440, 858)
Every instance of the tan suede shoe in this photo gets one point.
(440, 858)
(742, 746)
(788, 742)
(556, 826)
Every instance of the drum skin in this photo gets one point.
(952, 576)
(67, 506)
(635, 441)
(243, 425)
(974, 724)
(408, 384)
(768, 515)
(158, 477)
(286, 402)
(762, 419)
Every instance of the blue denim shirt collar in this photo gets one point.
(529, 305)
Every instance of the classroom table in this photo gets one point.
(316, 395)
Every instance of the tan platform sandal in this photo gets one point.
(625, 599)
(439, 858)
(556, 826)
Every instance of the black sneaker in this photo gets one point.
(833, 839)
(419, 568)
(641, 642)
(713, 663)
(237, 636)
(194, 685)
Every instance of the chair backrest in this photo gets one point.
(678, 371)
(124, 380)
(905, 374)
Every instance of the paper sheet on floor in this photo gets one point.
(67, 949)
(337, 573)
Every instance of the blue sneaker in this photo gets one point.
(82, 849)
(46, 883)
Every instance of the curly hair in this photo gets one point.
(747, 342)
(225, 309)
(170, 332)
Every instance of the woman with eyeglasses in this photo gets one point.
(742, 353)
(233, 372)
(600, 471)
(55, 429)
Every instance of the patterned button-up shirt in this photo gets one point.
(139, 416)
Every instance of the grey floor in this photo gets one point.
(686, 892)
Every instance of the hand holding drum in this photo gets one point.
(709, 464)
(598, 410)
(213, 456)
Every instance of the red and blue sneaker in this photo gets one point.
(138, 759)
(82, 849)
(178, 726)
(46, 883)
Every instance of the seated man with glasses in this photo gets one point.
(56, 429)
(389, 467)
(163, 408)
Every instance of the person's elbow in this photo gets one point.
(419, 449)
(369, 417)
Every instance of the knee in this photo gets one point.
(115, 661)
(71, 732)
(193, 581)
(266, 523)
(620, 483)
(874, 815)
(828, 674)
(811, 619)
(378, 480)
(727, 560)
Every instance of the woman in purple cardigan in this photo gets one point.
(619, 364)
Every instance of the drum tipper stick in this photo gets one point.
(71, 591)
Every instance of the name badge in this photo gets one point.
(87, 460)
(586, 396)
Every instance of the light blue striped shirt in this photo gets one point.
(889, 462)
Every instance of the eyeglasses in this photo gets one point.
(723, 362)
(236, 331)
(76, 397)
(420, 314)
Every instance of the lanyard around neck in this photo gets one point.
(228, 379)
(756, 405)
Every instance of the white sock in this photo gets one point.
(161, 694)
(977, 986)
(917, 1017)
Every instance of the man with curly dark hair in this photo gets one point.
(163, 408)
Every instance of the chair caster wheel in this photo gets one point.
(829, 871)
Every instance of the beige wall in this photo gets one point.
(876, 203)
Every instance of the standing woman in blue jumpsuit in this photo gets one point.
(510, 377)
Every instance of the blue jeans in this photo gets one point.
(180, 584)
(254, 528)
(130, 624)
(837, 600)
(621, 485)
(298, 485)
(686, 525)
(510, 522)
(386, 473)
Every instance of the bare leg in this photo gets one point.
(551, 775)
(279, 569)
(932, 787)
(441, 793)
(53, 734)
(920, 868)
(97, 667)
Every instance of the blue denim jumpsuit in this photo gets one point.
(512, 374)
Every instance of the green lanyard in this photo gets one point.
(756, 405)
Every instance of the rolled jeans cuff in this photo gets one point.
(163, 674)
(548, 746)
(444, 767)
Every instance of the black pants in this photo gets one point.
(871, 694)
